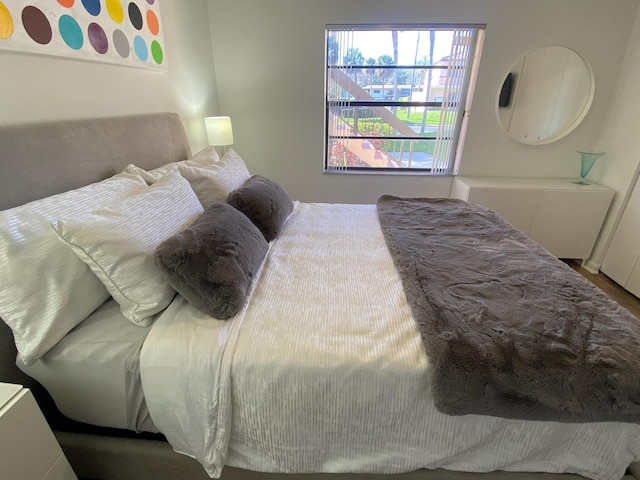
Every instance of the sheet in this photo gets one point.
(93, 373)
(324, 371)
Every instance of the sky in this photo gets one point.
(372, 44)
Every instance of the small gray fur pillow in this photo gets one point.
(265, 203)
(213, 262)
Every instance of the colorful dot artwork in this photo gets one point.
(113, 31)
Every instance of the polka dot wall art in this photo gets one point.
(113, 31)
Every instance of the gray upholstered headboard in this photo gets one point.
(39, 160)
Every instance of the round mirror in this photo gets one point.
(545, 95)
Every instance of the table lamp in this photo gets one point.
(219, 131)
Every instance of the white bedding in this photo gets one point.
(324, 371)
(93, 373)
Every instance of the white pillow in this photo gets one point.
(118, 241)
(210, 179)
(151, 176)
(45, 290)
(216, 181)
(207, 155)
(203, 158)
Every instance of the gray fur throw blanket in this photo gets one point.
(510, 331)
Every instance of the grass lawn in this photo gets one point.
(407, 116)
(426, 146)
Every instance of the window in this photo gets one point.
(396, 97)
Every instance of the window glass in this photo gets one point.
(396, 97)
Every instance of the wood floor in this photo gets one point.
(615, 291)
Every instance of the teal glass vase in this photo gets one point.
(587, 159)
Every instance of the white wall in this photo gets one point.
(620, 138)
(269, 68)
(38, 88)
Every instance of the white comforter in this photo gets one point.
(324, 371)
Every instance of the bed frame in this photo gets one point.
(39, 160)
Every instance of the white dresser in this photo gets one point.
(563, 217)
(28, 448)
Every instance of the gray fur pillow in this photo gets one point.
(265, 203)
(213, 262)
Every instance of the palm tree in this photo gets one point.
(432, 39)
(371, 71)
(354, 58)
(394, 38)
(332, 50)
(384, 74)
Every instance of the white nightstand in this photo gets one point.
(28, 449)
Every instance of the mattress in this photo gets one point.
(324, 371)
(93, 373)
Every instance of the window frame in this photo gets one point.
(462, 107)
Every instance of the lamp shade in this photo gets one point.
(219, 130)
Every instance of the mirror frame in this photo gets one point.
(507, 97)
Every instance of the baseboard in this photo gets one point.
(591, 266)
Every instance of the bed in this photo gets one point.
(331, 379)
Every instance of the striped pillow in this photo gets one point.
(117, 242)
